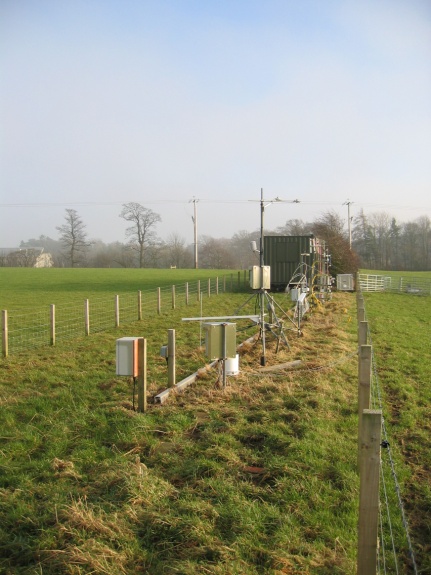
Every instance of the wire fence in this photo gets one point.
(395, 549)
(30, 328)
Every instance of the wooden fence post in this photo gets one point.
(5, 334)
(369, 474)
(159, 301)
(142, 375)
(187, 293)
(361, 309)
(171, 358)
(87, 316)
(52, 324)
(139, 305)
(216, 286)
(364, 385)
(362, 333)
(117, 311)
(173, 297)
(209, 287)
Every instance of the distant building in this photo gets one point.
(25, 258)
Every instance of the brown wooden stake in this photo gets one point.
(173, 297)
(209, 287)
(142, 375)
(187, 293)
(159, 301)
(369, 475)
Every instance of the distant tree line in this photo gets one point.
(378, 242)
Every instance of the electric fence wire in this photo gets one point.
(378, 402)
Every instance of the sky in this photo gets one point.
(159, 102)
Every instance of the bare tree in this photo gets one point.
(141, 233)
(175, 252)
(74, 237)
(330, 227)
(216, 253)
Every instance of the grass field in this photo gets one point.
(24, 287)
(257, 478)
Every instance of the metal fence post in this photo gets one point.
(52, 324)
(4, 330)
(171, 358)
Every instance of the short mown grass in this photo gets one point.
(256, 478)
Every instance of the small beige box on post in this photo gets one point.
(127, 356)
(214, 340)
(260, 277)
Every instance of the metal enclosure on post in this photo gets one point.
(127, 356)
(215, 341)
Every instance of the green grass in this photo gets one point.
(257, 478)
(21, 287)
(400, 326)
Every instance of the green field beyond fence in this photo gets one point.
(43, 306)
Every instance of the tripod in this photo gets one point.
(274, 325)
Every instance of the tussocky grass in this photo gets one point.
(259, 477)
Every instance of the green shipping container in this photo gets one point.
(285, 254)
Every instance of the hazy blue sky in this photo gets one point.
(104, 102)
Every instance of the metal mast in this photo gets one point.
(195, 235)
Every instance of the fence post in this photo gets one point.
(142, 375)
(187, 293)
(87, 316)
(117, 311)
(199, 290)
(173, 297)
(364, 385)
(4, 331)
(369, 473)
(360, 307)
(52, 324)
(216, 286)
(209, 287)
(139, 305)
(159, 301)
(362, 333)
(171, 357)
